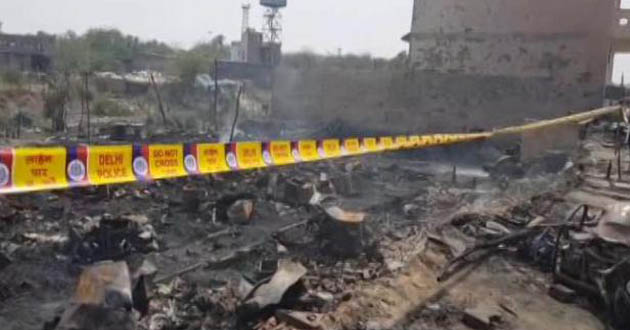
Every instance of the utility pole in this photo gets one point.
(87, 107)
(19, 124)
(216, 95)
(237, 111)
(159, 99)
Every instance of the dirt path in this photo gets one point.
(399, 302)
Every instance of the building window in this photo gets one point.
(621, 68)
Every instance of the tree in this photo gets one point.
(110, 50)
(400, 61)
(215, 49)
(305, 59)
(199, 59)
(72, 57)
(56, 96)
(189, 65)
(72, 54)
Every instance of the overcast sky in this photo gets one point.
(322, 25)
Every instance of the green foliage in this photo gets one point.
(200, 59)
(12, 78)
(302, 60)
(103, 50)
(105, 106)
(307, 60)
(213, 49)
(71, 54)
(56, 97)
(189, 65)
(156, 48)
(111, 50)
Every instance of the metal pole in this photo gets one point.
(216, 95)
(273, 83)
(87, 107)
(238, 107)
(19, 124)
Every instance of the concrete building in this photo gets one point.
(620, 33)
(26, 52)
(566, 42)
(236, 52)
(252, 42)
(251, 49)
(475, 64)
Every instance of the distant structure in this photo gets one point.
(260, 48)
(237, 50)
(272, 23)
(245, 25)
(26, 52)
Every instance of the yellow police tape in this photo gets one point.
(32, 169)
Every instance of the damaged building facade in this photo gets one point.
(26, 52)
(548, 55)
(573, 46)
(526, 39)
(474, 64)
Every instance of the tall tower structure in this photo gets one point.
(272, 20)
(245, 25)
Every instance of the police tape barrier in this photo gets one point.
(32, 169)
(575, 118)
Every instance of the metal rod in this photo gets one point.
(159, 99)
(619, 163)
(216, 95)
(19, 124)
(87, 107)
(238, 106)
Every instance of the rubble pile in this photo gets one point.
(583, 248)
(209, 238)
(288, 247)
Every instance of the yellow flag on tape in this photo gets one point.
(370, 145)
(331, 148)
(39, 168)
(414, 141)
(110, 164)
(308, 150)
(352, 146)
(400, 142)
(212, 158)
(280, 152)
(387, 142)
(166, 161)
(249, 155)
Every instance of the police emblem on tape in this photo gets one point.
(267, 157)
(140, 166)
(76, 170)
(190, 162)
(231, 160)
(321, 152)
(5, 175)
(296, 155)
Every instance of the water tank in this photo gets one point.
(273, 3)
